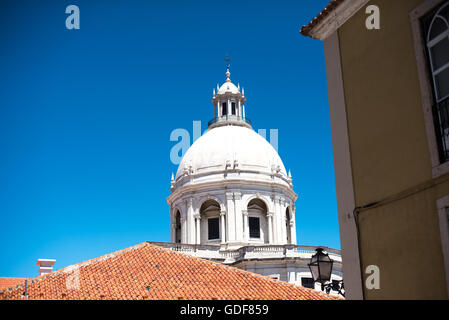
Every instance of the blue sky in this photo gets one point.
(86, 116)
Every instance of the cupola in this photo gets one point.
(229, 104)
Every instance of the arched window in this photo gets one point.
(257, 221)
(438, 46)
(436, 30)
(210, 221)
(178, 226)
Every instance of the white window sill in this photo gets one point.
(440, 169)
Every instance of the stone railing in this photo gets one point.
(218, 253)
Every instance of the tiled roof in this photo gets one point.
(331, 6)
(6, 282)
(146, 271)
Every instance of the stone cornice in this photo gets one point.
(335, 19)
(238, 183)
(226, 171)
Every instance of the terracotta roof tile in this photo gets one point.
(6, 282)
(147, 271)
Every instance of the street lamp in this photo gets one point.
(321, 268)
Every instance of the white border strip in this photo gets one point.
(336, 19)
(343, 172)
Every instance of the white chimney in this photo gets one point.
(45, 266)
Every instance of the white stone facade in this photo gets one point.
(277, 222)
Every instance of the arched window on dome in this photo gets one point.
(210, 222)
(178, 226)
(257, 221)
(436, 30)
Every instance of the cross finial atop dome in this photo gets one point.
(228, 65)
(228, 62)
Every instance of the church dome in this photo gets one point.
(232, 146)
(231, 188)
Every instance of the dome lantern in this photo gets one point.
(229, 104)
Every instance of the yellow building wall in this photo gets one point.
(390, 154)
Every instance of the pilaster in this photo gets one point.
(245, 225)
(284, 222)
(277, 221)
(184, 225)
(239, 235)
(223, 226)
(190, 222)
(293, 225)
(270, 227)
(198, 228)
(230, 210)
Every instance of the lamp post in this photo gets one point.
(321, 269)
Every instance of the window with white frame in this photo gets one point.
(435, 27)
(254, 227)
(213, 228)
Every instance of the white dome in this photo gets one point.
(228, 87)
(231, 144)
